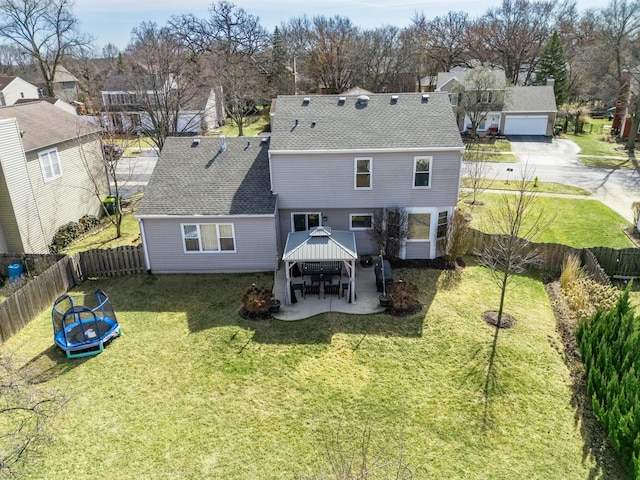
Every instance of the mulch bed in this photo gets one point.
(491, 317)
(437, 263)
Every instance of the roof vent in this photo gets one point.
(248, 145)
(306, 100)
(313, 124)
(342, 100)
(363, 99)
(320, 232)
(195, 143)
(394, 99)
(425, 97)
(264, 140)
(223, 146)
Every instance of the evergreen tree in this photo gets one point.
(552, 64)
(282, 78)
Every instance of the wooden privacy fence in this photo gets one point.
(113, 262)
(34, 297)
(623, 264)
(551, 254)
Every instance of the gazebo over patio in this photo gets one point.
(317, 247)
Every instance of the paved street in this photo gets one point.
(557, 161)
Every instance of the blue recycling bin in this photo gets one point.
(16, 271)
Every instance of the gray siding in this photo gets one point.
(18, 210)
(255, 241)
(70, 197)
(305, 182)
(418, 250)
(337, 219)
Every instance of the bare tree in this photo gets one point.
(45, 30)
(517, 222)
(476, 171)
(165, 80)
(25, 409)
(382, 58)
(512, 35)
(390, 228)
(234, 46)
(448, 44)
(457, 238)
(479, 93)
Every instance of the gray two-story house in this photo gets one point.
(216, 205)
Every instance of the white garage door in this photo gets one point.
(525, 125)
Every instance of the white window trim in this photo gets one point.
(45, 156)
(415, 164)
(453, 99)
(355, 173)
(356, 229)
(423, 210)
(293, 227)
(189, 252)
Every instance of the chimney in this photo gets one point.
(551, 81)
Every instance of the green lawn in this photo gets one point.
(596, 141)
(256, 126)
(492, 157)
(193, 391)
(578, 223)
(543, 187)
(106, 238)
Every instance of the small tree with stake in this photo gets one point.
(510, 252)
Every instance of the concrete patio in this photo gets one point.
(309, 306)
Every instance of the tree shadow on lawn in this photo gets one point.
(49, 364)
(213, 301)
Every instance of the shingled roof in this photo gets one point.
(386, 121)
(45, 125)
(196, 177)
(531, 99)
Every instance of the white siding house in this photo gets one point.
(50, 166)
(13, 89)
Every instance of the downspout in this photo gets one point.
(144, 245)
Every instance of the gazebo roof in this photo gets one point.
(320, 244)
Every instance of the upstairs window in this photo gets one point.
(50, 164)
(453, 99)
(422, 172)
(486, 97)
(362, 174)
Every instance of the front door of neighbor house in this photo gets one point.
(301, 221)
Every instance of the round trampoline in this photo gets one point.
(83, 323)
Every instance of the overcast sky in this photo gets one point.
(111, 21)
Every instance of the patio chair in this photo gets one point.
(300, 287)
(331, 289)
(313, 288)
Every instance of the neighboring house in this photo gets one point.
(65, 84)
(332, 161)
(527, 110)
(13, 89)
(57, 102)
(50, 168)
(126, 104)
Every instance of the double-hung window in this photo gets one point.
(208, 237)
(363, 171)
(50, 164)
(422, 172)
(443, 224)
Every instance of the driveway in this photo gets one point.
(556, 160)
(133, 173)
